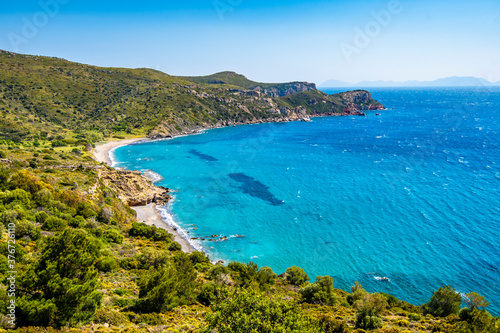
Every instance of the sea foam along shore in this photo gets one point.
(149, 214)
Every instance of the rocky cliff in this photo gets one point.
(260, 108)
(285, 89)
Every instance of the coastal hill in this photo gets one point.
(241, 82)
(83, 260)
(454, 81)
(54, 97)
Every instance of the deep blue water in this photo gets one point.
(412, 194)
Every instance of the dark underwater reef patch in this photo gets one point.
(254, 188)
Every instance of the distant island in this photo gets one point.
(455, 81)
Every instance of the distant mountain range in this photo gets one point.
(454, 81)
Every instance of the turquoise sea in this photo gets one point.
(411, 194)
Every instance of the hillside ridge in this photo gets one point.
(46, 98)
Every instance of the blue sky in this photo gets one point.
(268, 41)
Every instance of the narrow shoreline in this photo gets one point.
(149, 214)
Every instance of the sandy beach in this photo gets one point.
(146, 214)
(101, 151)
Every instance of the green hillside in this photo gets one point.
(43, 98)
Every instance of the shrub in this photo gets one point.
(43, 197)
(368, 322)
(86, 210)
(404, 323)
(319, 292)
(77, 222)
(106, 264)
(327, 324)
(249, 274)
(167, 287)
(198, 257)
(296, 276)
(150, 232)
(113, 236)
(25, 228)
(61, 287)
(124, 302)
(465, 314)
(53, 223)
(369, 308)
(41, 217)
(174, 246)
(250, 311)
(120, 291)
(215, 272)
(444, 301)
(210, 293)
(414, 317)
(110, 316)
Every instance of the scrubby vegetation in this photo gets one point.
(85, 264)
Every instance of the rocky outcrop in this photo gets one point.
(359, 100)
(133, 188)
(285, 89)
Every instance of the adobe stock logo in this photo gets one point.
(31, 26)
(224, 6)
(363, 37)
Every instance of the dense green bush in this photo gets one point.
(414, 317)
(319, 292)
(296, 276)
(162, 289)
(113, 236)
(150, 232)
(27, 229)
(110, 316)
(174, 246)
(53, 223)
(445, 301)
(210, 293)
(217, 271)
(106, 264)
(477, 321)
(368, 310)
(250, 311)
(60, 288)
(250, 275)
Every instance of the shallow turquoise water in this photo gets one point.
(412, 194)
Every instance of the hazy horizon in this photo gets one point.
(267, 41)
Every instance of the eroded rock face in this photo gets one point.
(133, 188)
(286, 89)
